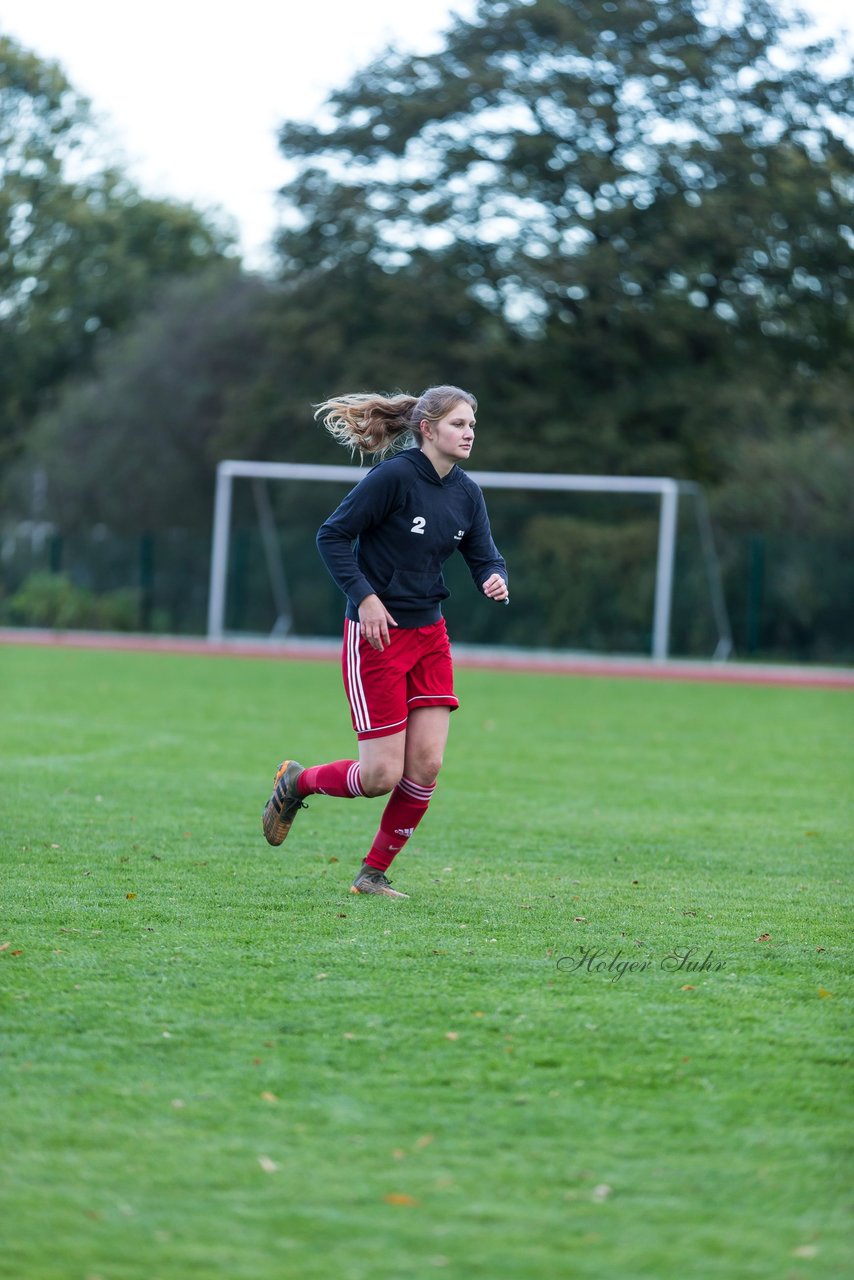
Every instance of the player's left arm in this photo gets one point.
(486, 563)
(496, 588)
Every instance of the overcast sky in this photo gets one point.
(192, 91)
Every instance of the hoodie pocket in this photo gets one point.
(411, 588)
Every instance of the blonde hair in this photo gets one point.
(376, 425)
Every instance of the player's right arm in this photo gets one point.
(365, 506)
(374, 622)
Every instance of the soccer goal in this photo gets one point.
(666, 492)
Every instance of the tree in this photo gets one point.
(134, 446)
(81, 250)
(639, 212)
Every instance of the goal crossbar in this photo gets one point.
(666, 489)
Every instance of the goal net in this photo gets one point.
(614, 564)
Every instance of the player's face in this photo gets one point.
(451, 439)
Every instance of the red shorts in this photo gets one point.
(383, 686)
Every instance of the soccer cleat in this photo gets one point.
(369, 880)
(283, 803)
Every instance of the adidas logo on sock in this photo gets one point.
(404, 831)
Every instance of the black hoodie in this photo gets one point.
(406, 520)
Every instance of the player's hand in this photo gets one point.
(374, 622)
(496, 588)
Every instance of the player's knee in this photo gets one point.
(379, 780)
(426, 770)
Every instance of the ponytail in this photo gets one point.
(370, 423)
(377, 425)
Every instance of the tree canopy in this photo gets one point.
(643, 210)
(81, 249)
(135, 447)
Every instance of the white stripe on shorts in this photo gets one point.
(354, 679)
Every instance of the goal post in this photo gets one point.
(666, 489)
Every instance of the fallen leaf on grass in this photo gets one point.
(268, 1165)
(763, 937)
(130, 895)
(825, 995)
(452, 1035)
(266, 1096)
(687, 987)
(601, 1192)
(399, 1197)
(424, 1141)
(581, 920)
(16, 953)
(4, 946)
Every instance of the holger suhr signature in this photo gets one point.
(615, 965)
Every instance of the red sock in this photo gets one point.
(406, 806)
(341, 778)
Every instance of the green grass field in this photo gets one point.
(219, 1063)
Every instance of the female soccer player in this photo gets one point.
(384, 547)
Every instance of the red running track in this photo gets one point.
(486, 658)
